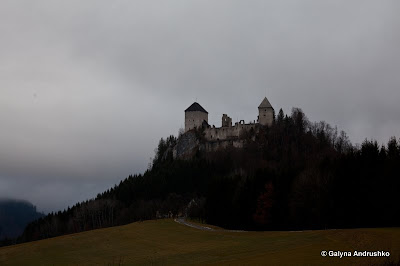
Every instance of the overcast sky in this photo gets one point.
(87, 88)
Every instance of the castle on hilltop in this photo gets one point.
(197, 117)
(217, 138)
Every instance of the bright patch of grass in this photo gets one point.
(166, 242)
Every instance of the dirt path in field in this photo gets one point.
(201, 227)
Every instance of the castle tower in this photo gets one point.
(265, 113)
(195, 115)
(226, 121)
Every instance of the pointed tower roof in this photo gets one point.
(195, 107)
(265, 104)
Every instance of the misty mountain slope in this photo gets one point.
(14, 216)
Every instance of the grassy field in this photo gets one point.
(167, 242)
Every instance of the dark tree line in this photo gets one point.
(291, 175)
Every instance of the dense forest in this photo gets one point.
(14, 216)
(292, 175)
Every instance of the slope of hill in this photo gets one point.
(293, 175)
(14, 216)
(163, 242)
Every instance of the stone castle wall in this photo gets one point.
(188, 145)
(218, 138)
(194, 119)
(226, 121)
(223, 133)
(197, 117)
(266, 116)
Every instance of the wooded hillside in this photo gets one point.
(292, 175)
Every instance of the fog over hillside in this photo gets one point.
(14, 216)
(88, 88)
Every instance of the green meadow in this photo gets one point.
(165, 242)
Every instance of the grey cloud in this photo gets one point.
(87, 88)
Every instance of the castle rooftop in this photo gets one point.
(195, 107)
(265, 104)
